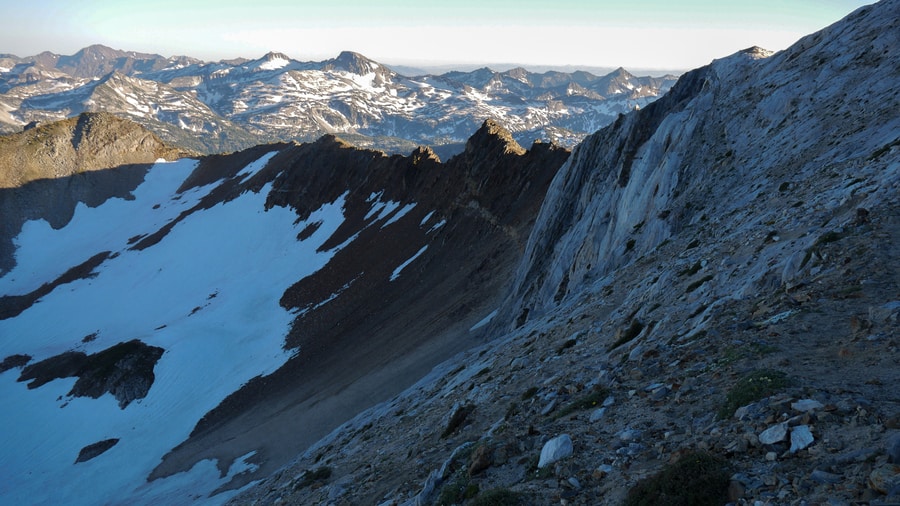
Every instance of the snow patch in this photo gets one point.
(487, 319)
(208, 293)
(402, 266)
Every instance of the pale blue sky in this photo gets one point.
(633, 34)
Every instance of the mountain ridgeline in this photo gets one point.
(304, 282)
(213, 107)
(698, 304)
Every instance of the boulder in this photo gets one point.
(556, 449)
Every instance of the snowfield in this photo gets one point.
(207, 293)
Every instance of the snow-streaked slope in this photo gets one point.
(207, 293)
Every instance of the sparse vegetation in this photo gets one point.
(753, 387)
(528, 394)
(499, 497)
(696, 479)
(633, 331)
(589, 400)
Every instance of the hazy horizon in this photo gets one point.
(643, 35)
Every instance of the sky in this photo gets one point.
(650, 34)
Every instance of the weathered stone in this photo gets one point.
(892, 448)
(549, 407)
(885, 478)
(94, 450)
(773, 434)
(482, 458)
(820, 476)
(807, 405)
(629, 435)
(597, 414)
(556, 449)
(801, 437)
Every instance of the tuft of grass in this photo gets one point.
(753, 387)
(589, 400)
(528, 394)
(696, 479)
(633, 330)
(499, 497)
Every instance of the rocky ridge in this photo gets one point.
(88, 142)
(713, 275)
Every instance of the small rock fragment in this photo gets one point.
(885, 478)
(824, 477)
(556, 449)
(597, 414)
(773, 434)
(806, 405)
(549, 407)
(801, 437)
(892, 449)
(482, 458)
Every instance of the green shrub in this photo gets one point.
(696, 479)
(589, 400)
(753, 387)
(499, 497)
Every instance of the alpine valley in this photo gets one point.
(232, 105)
(698, 303)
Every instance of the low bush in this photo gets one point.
(696, 479)
(751, 388)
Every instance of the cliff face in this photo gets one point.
(735, 147)
(90, 141)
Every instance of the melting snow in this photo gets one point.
(487, 319)
(402, 266)
(274, 64)
(214, 342)
(401, 213)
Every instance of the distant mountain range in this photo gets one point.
(231, 105)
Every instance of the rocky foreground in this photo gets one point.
(707, 312)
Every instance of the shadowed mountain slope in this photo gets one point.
(236, 308)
